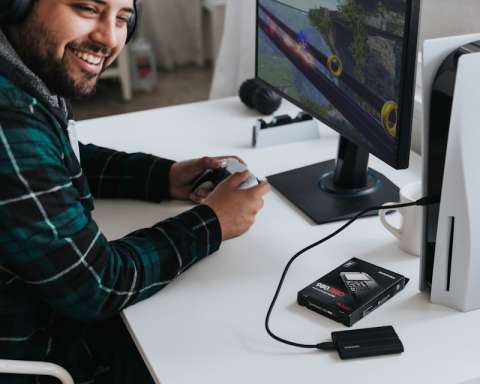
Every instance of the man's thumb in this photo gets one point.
(236, 179)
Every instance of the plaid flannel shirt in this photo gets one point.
(55, 263)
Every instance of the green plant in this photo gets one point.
(321, 20)
(355, 16)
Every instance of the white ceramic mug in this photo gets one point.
(410, 229)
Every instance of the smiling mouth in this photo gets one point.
(88, 58)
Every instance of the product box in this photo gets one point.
(351, 291)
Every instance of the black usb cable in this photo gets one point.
(331, 345)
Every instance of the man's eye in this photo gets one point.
(123, 19)
(87, 9)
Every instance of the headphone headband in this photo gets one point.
(14, 11)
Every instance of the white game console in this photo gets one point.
(450, 258)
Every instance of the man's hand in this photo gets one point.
(184, 173)
(236, 209)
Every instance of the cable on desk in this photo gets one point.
(329, 346)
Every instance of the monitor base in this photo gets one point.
(308, 188)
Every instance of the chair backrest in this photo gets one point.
(35, 368)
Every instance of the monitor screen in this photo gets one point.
(349, 63)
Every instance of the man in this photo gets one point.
(62, 284)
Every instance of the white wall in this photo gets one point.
(174, 29)
(443, 18)
(449, 17)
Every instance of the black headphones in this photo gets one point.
(15, 11)
(254, 95)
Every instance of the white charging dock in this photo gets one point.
(284, 129)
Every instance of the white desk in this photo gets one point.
(207, 326)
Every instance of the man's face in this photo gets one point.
(68, 43)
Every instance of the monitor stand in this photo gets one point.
(338, 189)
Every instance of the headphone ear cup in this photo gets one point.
(131, 28)
(266, 101)
(132, 23)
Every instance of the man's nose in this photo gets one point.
(105, 33)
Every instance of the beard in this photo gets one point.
(36, 45)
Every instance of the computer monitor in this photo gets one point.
(351, 65)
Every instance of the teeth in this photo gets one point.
(89, 58)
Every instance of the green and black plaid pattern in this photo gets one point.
(55, 263)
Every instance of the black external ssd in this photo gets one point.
(367, 342)
(351, 291)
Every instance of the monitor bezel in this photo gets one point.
(407, 91)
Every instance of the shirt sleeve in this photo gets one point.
(116, 174)
(54, 249)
